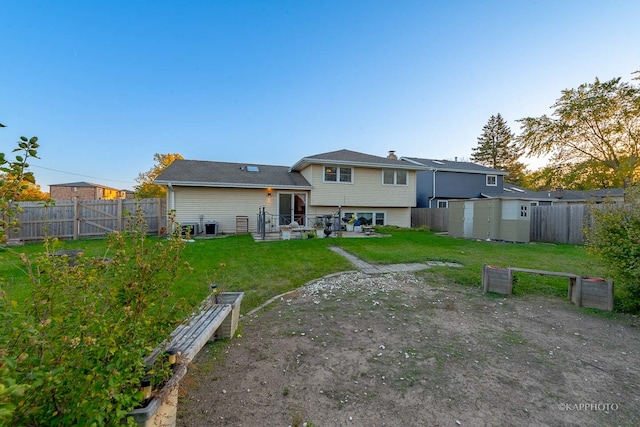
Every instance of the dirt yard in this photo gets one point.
(405, 349)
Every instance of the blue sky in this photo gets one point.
(107, 84)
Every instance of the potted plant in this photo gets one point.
(351, 222)
(285, 230)
(319, 227)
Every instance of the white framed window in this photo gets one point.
(338, 174)
(443, 203)
(394, 177)
(492, 180)
(368, 217)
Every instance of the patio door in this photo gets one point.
(292, 207)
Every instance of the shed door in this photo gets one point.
(467, 227)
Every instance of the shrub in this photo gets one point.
(614, 235)
(72, 353)
(14, 179)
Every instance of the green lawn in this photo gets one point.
(263, 270)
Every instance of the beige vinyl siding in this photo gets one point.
(221, 205)
(366, 190)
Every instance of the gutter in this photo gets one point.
(234, 185)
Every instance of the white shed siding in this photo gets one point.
(366, 190)
(221, 205)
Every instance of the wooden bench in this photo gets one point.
(188, 339)
(573, 278)
(582, 291)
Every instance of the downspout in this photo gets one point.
(171, 198)
(434, 187)
(171, 201)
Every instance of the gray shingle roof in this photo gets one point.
(597, 196)
(454, 166)
(354, 158)
(83, 184)
(224, 174)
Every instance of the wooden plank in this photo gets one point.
(543, 272)
(189, 338)
(498, 280)
(196, 337)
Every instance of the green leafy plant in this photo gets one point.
(73, 352)
(14, 179)
(614, 236)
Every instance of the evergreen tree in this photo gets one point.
(497, 149)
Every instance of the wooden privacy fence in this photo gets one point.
(551, 224)
(436, 219)
(558, 224)
(77, 219)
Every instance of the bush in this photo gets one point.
(72, 353)
(614, 235)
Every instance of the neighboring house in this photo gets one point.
(377, 190)
(444, 180)
(84, 191)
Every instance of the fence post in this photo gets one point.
(119, 215)
(76, 219)
(159, 214)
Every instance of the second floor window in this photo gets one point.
(393, 177)
(337, 174)
(492, 180)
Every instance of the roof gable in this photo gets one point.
(353, 158)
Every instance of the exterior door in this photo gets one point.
(292, 207)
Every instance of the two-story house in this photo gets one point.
(443, 180)
(85, 191)
(377, 190)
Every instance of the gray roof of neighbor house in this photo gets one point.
(83, 184)
(559, 194)
(353, 158)
(203, 173)
(453, 166)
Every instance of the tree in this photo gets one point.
(31, 192)
(15, 178)
(497, 149)
(613, 235)
(146, 188)
(595, 127)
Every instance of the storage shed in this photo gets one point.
(490, 219)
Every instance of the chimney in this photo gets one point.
(559, 192)
(392, 155)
